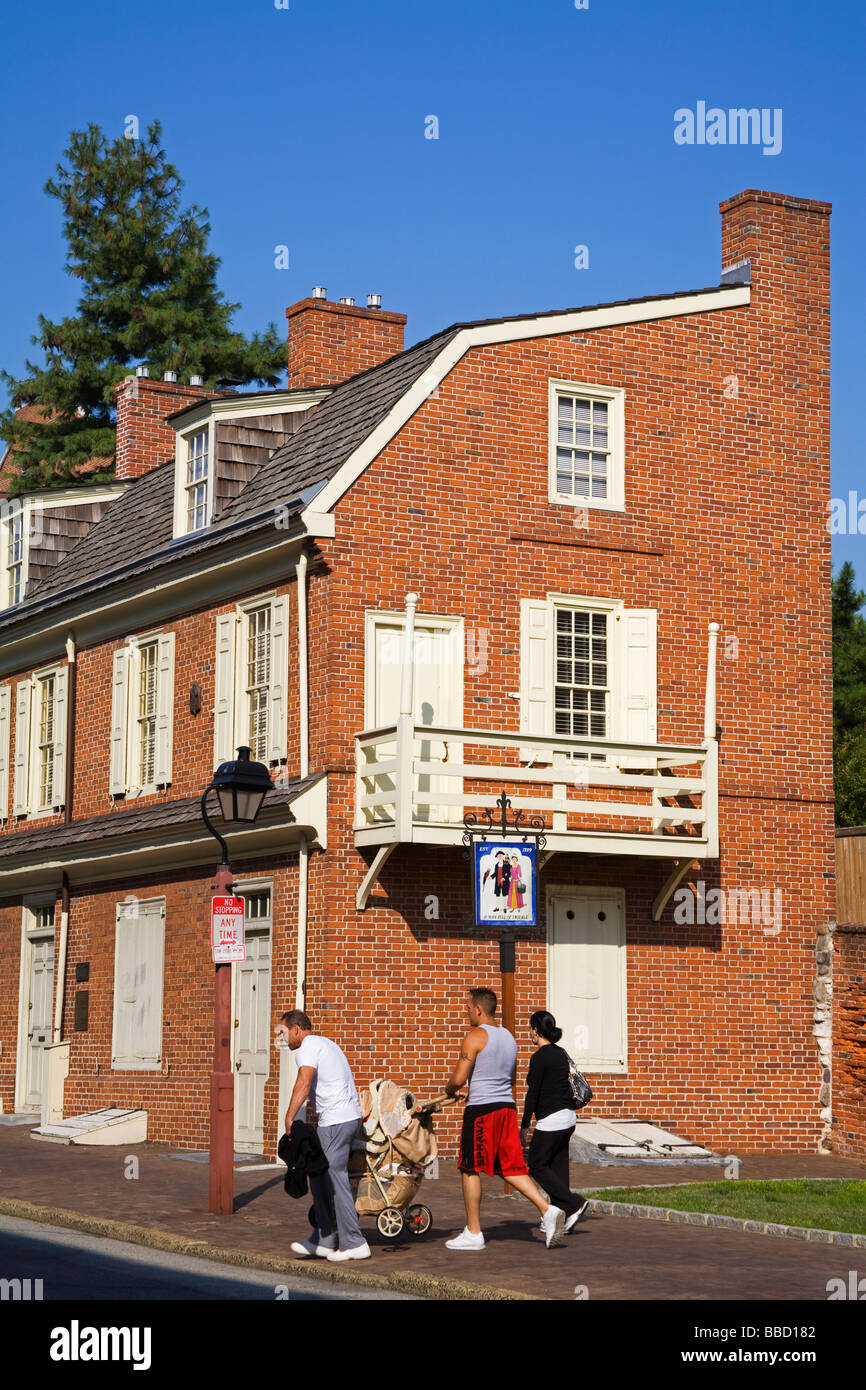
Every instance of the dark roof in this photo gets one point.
(135, 533)
(129, 821)
(335, 428)
(138, 522)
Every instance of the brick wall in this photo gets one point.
(726, 485)
(849, 1041)
(144, 440)
(726, 488)
(330, 342)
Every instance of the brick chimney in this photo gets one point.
(144, 440)
(329, 342)
(787, 241)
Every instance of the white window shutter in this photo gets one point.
(125, 957)
(279, 711)
(138, 984)
(59, 769)
(164, 708)
(638, 705)
(537, 658)
(117, 737)
(23, 693)
(224, 689)
(148, 1004)
(5, 726)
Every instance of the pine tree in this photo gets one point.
(149, 296)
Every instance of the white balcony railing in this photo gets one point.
(415, 783)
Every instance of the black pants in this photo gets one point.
(548, 1166)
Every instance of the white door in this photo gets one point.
(586, 975)
(438, 701)
(252, 1034)
(40, 1001)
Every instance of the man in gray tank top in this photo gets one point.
(490, 1139)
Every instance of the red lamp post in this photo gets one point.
(241, 787)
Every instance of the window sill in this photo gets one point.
(137, 1066)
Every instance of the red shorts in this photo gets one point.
(490, 1141)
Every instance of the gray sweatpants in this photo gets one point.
(336, 1219)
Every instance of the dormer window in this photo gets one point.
(197, 480)
(15, 558)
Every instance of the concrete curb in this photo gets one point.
(728, 1223)
(429, 1286)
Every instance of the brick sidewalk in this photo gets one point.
(613, 1257)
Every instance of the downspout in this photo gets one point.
(303, 873)
(303, 673)
(304, 749)
(62, 945)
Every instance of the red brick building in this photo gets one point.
(577, 498)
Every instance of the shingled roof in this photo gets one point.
(129, 821)
(135, 534)
(335, 429)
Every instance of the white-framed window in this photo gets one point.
(251, 680)
(586, 432)
(40, 743)
(588, 670)
(198, 469)
(142, 709)
(194, 479)
(14, 529)
(139, 949)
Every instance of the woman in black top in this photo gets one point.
(549, 1099)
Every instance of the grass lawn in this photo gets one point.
(838, 1205)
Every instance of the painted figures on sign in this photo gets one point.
(505, 888)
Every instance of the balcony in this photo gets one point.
(415, 783)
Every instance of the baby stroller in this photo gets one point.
(396, 1148)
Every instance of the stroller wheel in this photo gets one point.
(390, 1222)
(419, 1219)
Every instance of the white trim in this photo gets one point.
(614, 396)
(376, 617)
(158, 638)
(181, 461)
(487, 335)
(136, 1064)
(28, 931)
(562, 890)
(25, 506)
(237, 407)
(58, 789)
(278, 685)
(261, 926)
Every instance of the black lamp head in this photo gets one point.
(241, 786)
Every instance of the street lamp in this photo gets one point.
(241, 787)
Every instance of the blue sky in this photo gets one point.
(305, 127)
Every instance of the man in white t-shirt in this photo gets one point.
(325, 1078)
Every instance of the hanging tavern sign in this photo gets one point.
(504, 866)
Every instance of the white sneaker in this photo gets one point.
(572, 1220)
(467, 1240)
(552, 1224)
(358, 1252)
(306, 1248)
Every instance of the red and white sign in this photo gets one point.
(227, 930)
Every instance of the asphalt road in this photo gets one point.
(78, 1267)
